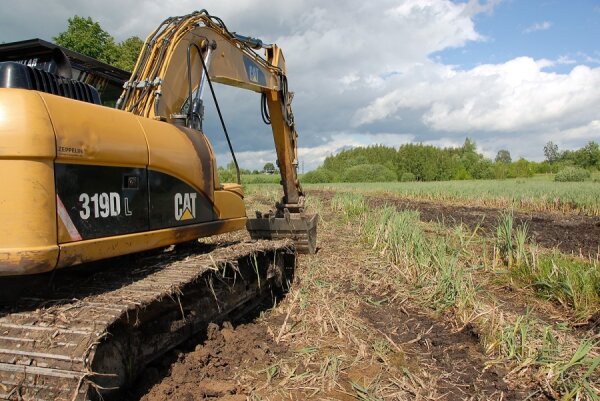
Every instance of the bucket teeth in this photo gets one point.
(299, 227)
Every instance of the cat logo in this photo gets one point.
(253, 73)
(185, 206)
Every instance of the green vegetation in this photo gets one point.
(269, 168)
(399, 235)
(538, 193)
(87, 37)
(228, 174)
(573, 282)
(418, 162)
(250, 179)
(572, 174)
(368, 173)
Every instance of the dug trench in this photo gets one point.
(339, 335)
(570, 233)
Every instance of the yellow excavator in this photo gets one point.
(83, 182)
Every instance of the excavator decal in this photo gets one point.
(122, 200)
(255, 74)
(185, 206)
(65, 219)
(99, 201)
(175, 203)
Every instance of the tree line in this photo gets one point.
(86, 36)
(419, 162)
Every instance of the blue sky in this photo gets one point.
(548, 29)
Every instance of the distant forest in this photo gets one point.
(418, 162)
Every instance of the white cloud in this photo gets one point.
(590, 59)
(565, 60)
(538, 26)
(574, 136)
(361, 68)
(514, 96)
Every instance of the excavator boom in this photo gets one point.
(213, 54)
(156, 89)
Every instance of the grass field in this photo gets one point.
(450, 268)
(528, 306)
(539, 193)
(396, 306)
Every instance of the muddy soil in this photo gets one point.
(213, 369)
(455, 356)
(570, 233)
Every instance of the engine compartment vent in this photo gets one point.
(17, 75)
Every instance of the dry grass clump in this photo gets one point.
(336, 354)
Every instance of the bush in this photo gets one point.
(227, 175)
(261, 179)
(320, 175)
(572, 174)
(368, 173)
(406, 177)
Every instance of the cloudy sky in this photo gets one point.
(511, 74)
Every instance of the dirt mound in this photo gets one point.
(211, 370)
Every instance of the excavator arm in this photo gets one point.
(168, 83)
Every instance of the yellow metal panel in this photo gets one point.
(86, 251)
(229, 204)
(93, 134)
(27, 260)
(27, 198)
(25, 129)
(180, 152)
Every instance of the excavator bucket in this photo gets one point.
(299, 227)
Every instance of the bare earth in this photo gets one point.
(340, 335)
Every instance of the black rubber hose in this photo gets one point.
(264, 110)
(212, 91)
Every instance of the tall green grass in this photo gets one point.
(430, 264)
(571, 281)
(540, 194)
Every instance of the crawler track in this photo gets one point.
(93, 333)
